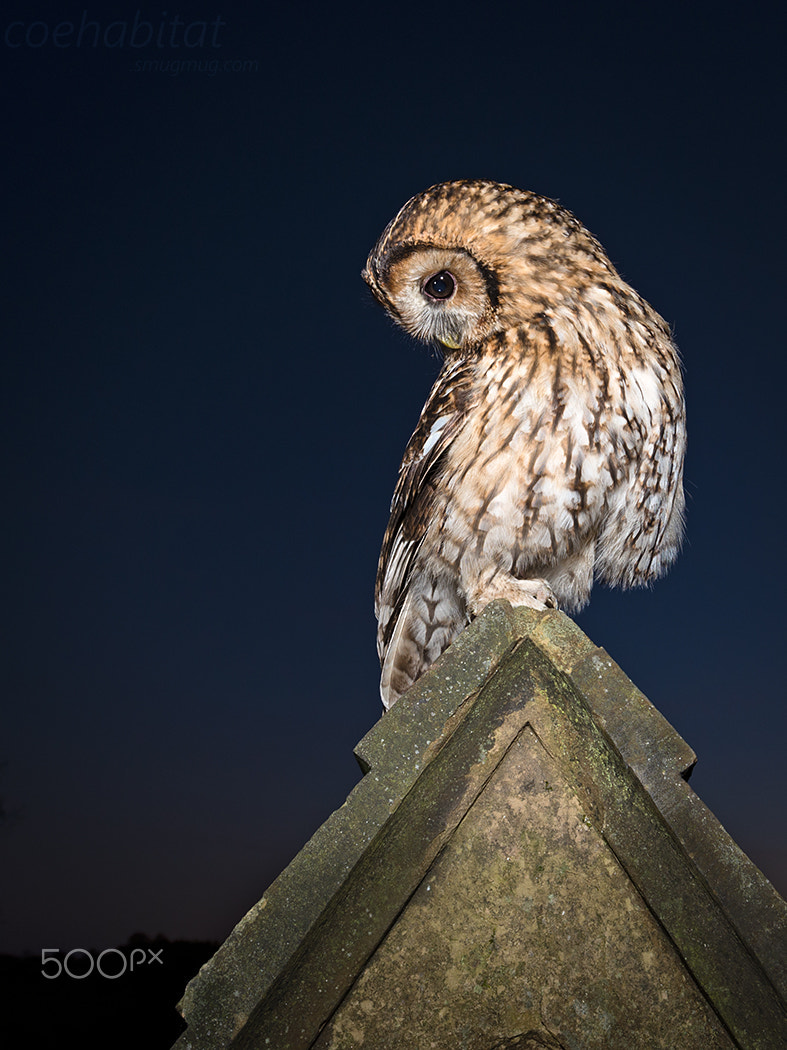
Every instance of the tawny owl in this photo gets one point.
(550, 449)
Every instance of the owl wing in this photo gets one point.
(412, 508)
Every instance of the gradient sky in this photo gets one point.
(203, 411)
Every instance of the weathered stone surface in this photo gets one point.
(522, 865)
(525, 926)
(285, 931)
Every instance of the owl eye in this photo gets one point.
(440, 286)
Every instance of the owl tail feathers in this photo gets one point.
(402, 663)
(426, 626)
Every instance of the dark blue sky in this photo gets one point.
(203, 411)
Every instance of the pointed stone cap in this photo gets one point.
(522, 865)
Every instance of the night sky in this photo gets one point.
(203, 410)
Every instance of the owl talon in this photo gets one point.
(533, 594)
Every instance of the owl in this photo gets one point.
(549, 452)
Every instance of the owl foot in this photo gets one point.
(534, 594)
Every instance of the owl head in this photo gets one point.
(466, 259)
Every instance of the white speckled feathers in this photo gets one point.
(550, 449)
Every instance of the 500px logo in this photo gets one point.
(136, 958)
(171, 32)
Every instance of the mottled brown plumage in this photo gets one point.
(550, 449)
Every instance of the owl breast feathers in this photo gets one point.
(550, 449)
